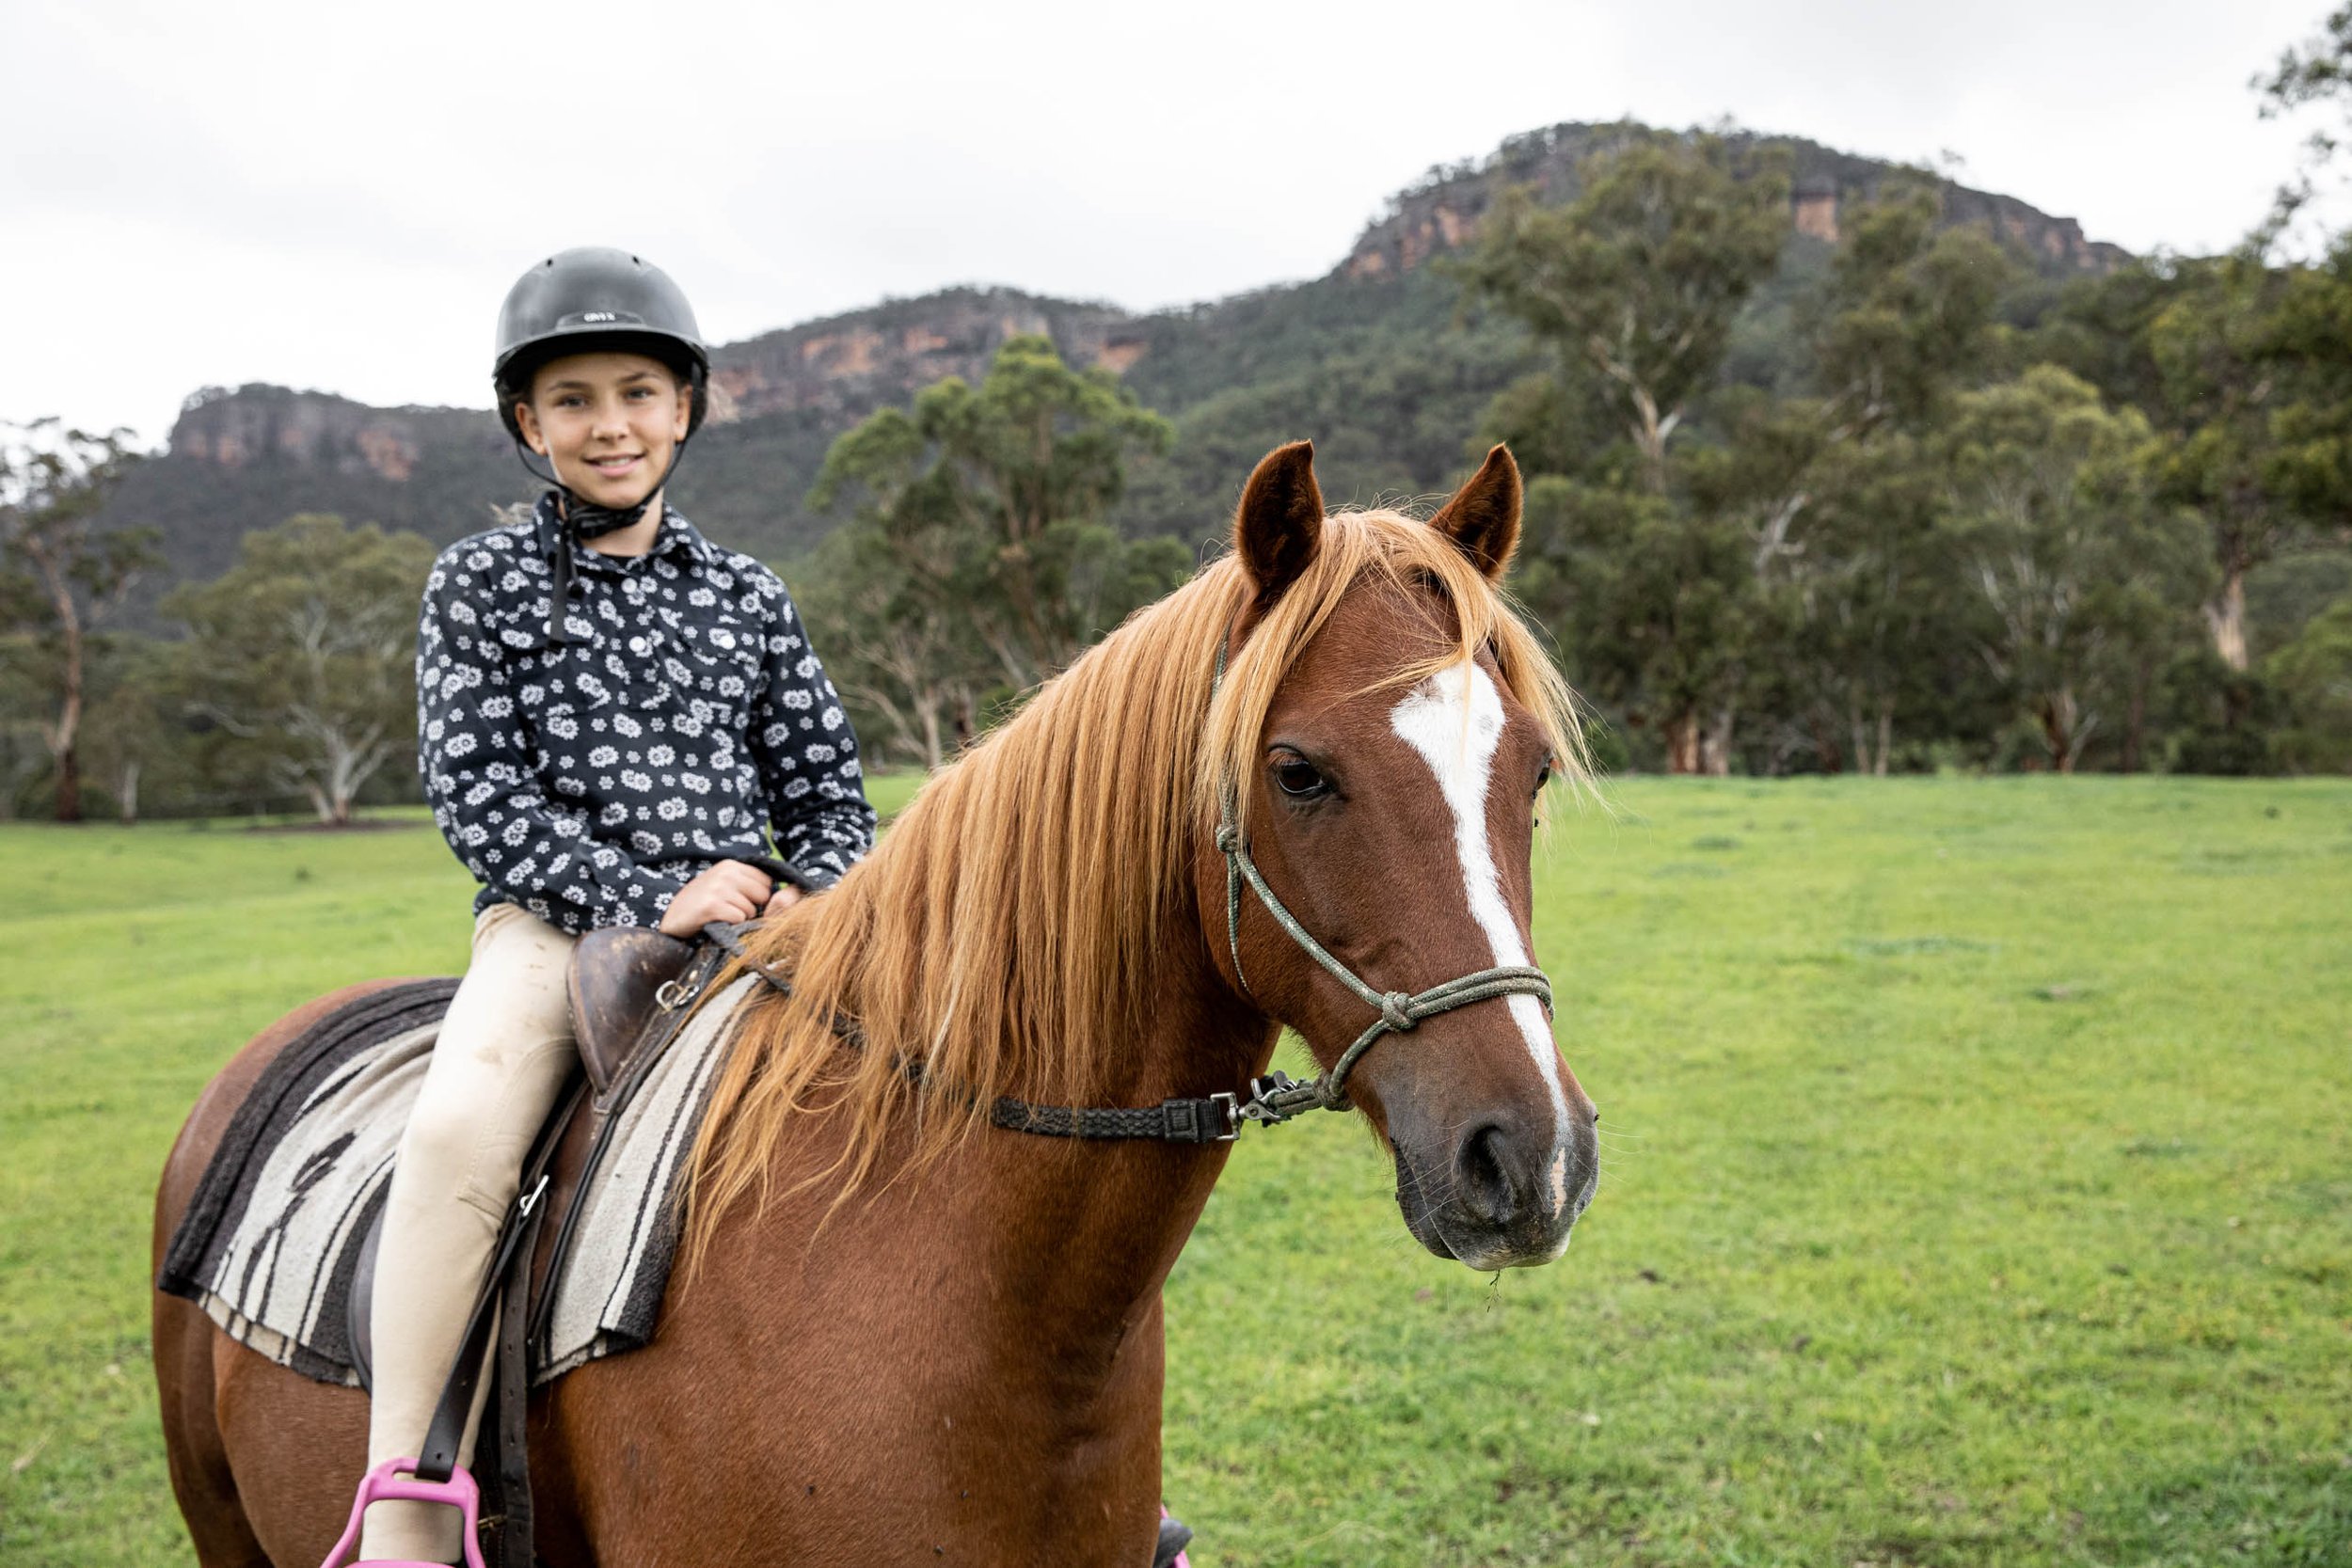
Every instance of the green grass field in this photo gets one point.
(1978, 1190)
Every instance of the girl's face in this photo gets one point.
(608, 421)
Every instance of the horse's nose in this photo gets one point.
(1492, 1179)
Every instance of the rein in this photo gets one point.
(1271, 1100)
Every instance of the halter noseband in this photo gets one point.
(1275, 1098)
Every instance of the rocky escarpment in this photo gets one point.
(848, 365)
(1373, 359)
(1443, 211)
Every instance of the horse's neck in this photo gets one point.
(1121, 1211)
(1041, 1255)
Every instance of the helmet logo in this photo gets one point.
(599, 316)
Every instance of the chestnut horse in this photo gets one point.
(901, 1335)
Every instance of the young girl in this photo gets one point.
(611, 709)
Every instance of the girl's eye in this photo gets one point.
(1298, 778)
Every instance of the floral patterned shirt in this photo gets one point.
(589, 780)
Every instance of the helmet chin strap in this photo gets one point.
(583, 519)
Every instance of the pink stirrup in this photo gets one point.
(395, 1481)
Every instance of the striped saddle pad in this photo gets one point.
(270, 1240)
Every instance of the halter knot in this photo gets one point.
(1227, 837)
(1393, 1011)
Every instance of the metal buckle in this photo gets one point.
(672, 995)
(530, 1199)
(1260, 1090)
(1233, 1112)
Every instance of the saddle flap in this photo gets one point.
(616, 977)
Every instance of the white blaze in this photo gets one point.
(1454, 721)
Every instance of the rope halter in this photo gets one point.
(1275, 1098)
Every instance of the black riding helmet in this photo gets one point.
(583, 301)
(589, 298)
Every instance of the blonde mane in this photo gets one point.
(1003, 933)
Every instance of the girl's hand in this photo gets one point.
(728, 890)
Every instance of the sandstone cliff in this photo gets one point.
(1443, 210)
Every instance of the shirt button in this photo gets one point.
(637, 645)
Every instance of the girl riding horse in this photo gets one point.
(611, 712)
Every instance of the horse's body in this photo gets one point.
(962, 1361)
(971, 1362)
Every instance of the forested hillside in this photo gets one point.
(1378, 361)
(1833, 465)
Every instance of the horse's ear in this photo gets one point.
(1483, 518)
(1279, 526)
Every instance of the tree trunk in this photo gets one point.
(127, 794)
(1715, 745)
(64, 737)
(1825, 749)
(69, 782)
(2225, 617)
(1682, 743)
(2136, 718)
(1886, 736)
(1649, 431)
(931, 735)
(2063, 732)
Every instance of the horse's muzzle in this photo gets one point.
(1497, 1196)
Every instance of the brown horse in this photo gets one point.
(904, 1336)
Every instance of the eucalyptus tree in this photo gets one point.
(978, 529)
(60, 573)
(1636, 282)
(2048, 511)
(305, 653)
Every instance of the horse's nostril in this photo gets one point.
(1484, 1174)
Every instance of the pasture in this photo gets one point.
(1976, 1191)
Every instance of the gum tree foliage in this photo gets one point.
(59, 573)
(2244, 368)
(137, 736)
(1636, 283)
(2313, 674)
(304, 652)
(978, 557)
(1786, 553)
(2049, 514)
(1831, 485)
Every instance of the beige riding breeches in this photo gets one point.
(501, 1059)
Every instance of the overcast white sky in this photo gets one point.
(337, 196)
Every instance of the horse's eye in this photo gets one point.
(1542, 778)
(1298, 779)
